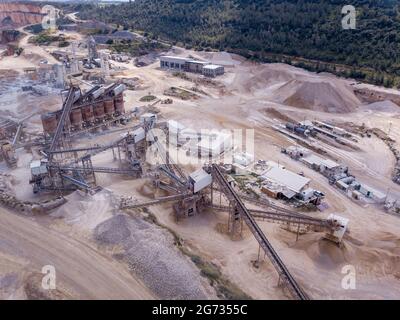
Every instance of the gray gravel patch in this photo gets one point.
(151, 254)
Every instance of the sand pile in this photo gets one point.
(375, 262)
(86, 211)
(151, 254)
(222, 58)
(377, 258)
(297, 87)
(270, 75)
(320, 96)
(382, 106)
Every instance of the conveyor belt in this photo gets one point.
(282, 217)
(92, 151)
(97, 169)
(75, 150)
(266, 203)
(174, 171)
(64, 116)
(172, 175)
(280, 267)
(131, 205)
(76, 182)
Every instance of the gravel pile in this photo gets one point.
(151, 254)
(113, 231)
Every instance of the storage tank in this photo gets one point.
(109, 107)
(49, 122)
(301, 130)
(87, 114)
(98, 109)
(297, 129)
(119, 104)
(76, 118)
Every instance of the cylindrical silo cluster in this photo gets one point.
(102, 104)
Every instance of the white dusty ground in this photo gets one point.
(372, 244)
(241, 101)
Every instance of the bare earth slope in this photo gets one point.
(18, 14)
(79, 267)
(296, 87)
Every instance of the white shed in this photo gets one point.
(138, 134)
(38, 167)
(243, 158)
(341, 223)
(216, 144)
(148, 118)
(213, 70)
(287, 179)
(199, 180)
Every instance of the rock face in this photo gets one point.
(18, 14)
(7, 36)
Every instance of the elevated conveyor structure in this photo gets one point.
(66, 110)
(284, 274)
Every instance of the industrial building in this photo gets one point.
(185, 64)
(336, 173)
(282, 183)
(148, 118)
(291, 182)
(214, 145)
(241, 162)
(175, 130)
(199, 180)
(170, 62)
(213, 70)
(196, 66)
(296, 152)
(327, 167)
(115, 37)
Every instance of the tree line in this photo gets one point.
(274, 30)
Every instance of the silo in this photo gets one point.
(88, 115)
(98, 109)
(109, 107)
(119, 104)
(49, 122)
(76, 118)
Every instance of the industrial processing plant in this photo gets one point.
(139, 165)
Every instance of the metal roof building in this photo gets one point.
(313, 159)
(287, 179)
(170, 62)
(200, 180)
(213, 70)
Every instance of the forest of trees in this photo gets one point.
(274, 30)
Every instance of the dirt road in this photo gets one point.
(80, 267)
